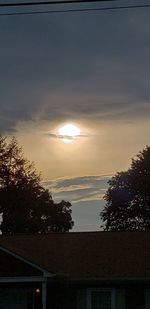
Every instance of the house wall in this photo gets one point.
(61, 296)
(147, 298)
(126, 297)
(135, 297)
(69, 296)
(13, 299)
(20, 296)
(119, 297)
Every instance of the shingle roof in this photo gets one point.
(87, 254)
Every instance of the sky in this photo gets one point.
(89, 69)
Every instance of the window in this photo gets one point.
(100, 299)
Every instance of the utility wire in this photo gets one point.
(113, 8)
(39, 3)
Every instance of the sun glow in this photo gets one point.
(69, 132)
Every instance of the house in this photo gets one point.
(89, 270)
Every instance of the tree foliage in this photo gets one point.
(128, 197)
(25, 205)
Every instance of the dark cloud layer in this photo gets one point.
(91, 66)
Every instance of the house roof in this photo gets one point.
(86, 255)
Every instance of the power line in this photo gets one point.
(39, 3)
(113, 8)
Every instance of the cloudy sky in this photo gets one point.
(89, 69)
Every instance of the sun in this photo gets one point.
(69, 130)
(69, 133)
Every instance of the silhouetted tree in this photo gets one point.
(128, 197)
(25, 205)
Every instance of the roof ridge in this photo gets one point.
(71, 233)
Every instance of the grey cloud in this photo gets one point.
(80, 65)
(82, 180)
(52, 135)
(86, 195)
(96, 107)
(59, 136)
(86, 188)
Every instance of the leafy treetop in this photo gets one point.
(128, 197)
(25, 205)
